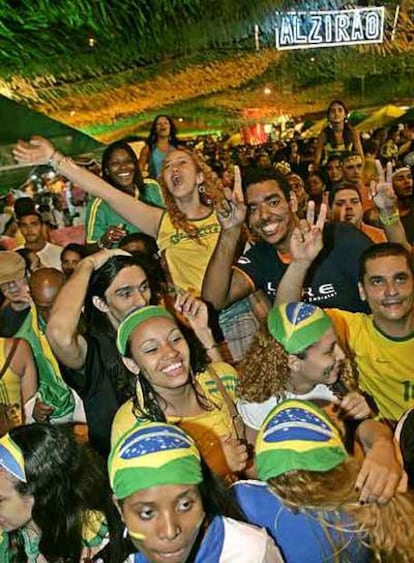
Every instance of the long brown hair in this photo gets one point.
(387, 529)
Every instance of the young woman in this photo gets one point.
(120, 168)
(338, 137)
(173, 508)
(174, 383)
(308, 492)
(161, 140)
(55, 499)
(186, 233)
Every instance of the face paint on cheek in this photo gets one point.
(136, 535)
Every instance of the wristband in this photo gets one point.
(100, 244)
(388, 220)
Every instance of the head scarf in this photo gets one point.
(11, 458)
(297, 435)
(134, 319)
(151, 455)
(296, 326)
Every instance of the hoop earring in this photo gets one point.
(125, 533)
(201, 189)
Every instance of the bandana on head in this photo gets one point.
(296, 326)
(400, 168)
(150, 455)
(297, 435)
(11, 458)
(134, 319)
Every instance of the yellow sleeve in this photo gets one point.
(341, 321)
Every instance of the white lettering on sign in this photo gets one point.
(303, 30)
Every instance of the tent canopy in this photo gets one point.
(19, 122)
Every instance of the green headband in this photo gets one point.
(296, 326)
(297, 435)
(150, 455)
(134, 319)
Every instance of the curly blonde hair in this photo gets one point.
(387, 529)
(212, 191)
(265, 373)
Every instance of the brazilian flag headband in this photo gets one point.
(297, 435)
(150, 455)
(296, 326)
(134, 319)
(11, 458)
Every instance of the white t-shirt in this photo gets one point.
(253, 414)
(50, 256)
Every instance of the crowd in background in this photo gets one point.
(219, 338)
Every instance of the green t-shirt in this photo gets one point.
(100, 215)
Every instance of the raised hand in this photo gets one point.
(113, 235)
(307, 241)
(231, 210)
(98, 259)
(381, 192)
(37, 151)
(193, 310)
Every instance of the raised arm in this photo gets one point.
(40, 151)
(385, 200)
(62, 328)
(143, 158)
(319, 150)
(305, 245)
(222, 285)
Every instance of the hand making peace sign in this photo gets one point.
(231, 210)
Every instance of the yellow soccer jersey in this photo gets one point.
(187, 258)
(385, 364)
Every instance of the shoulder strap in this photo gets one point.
(9, 357)
(238, 424)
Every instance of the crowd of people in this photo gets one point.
(222, 371)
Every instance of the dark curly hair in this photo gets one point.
(66, 479)
(264, 372)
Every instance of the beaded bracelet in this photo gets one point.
(58, 159)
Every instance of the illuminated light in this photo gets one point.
(180, 119)
(91, 41)
(304, 30)
(267, 91)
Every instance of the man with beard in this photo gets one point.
(332, 281)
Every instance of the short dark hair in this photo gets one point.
(75, 247)
(381, 251)
(256, 175)
(339, 188)
(28, 214)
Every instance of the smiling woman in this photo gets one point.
(120, 168)
(175, 384)
(190, 189)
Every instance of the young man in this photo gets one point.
(333, 279)
(346, 207)
(70, 257)
(31, 227)
(15, 289)
(382, 343)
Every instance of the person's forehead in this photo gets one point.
(402, 175)
(353, 161)
(386, 265)
(118, 154)
(29, 219)
(173, 155)
(129, 276)
(71, 255)
(345, 194)
(262, 190)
